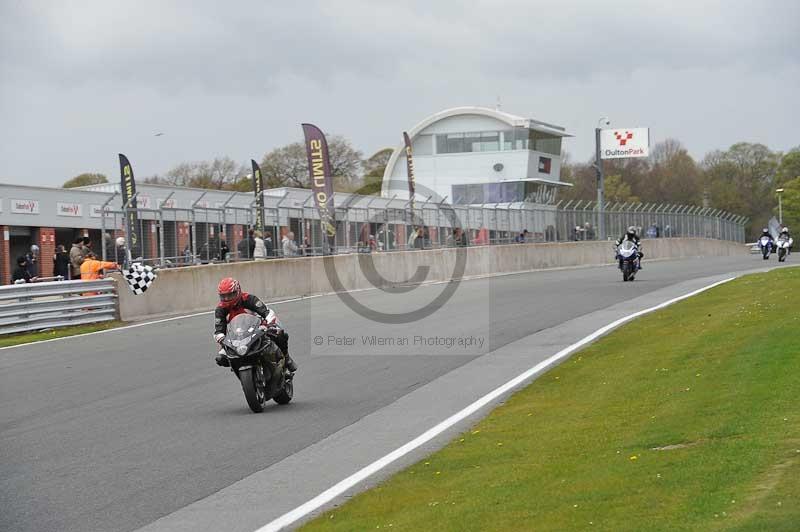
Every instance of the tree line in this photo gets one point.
(741, 179)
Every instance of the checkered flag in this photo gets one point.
(139, 277)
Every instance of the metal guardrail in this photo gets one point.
(36, 306)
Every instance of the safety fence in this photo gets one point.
(201, 233)
(44, 305)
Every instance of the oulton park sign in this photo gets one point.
(620, 143)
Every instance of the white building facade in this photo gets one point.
(478, 155)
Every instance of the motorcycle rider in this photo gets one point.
(232, 302)
(765, 233)
(631, 235)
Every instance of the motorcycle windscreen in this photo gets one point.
(242, 328)
(627, 248)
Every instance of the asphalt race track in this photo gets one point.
(114, 431)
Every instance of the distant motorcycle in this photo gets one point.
(765, 243)
(784, 245)
(257, 361)
(628, 252)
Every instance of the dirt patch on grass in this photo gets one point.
(765, 485)
(676, 446)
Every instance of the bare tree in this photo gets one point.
(220, 173)
(287, 166)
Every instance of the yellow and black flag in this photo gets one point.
(129, 205)
(258, 190)
(412, 185)
(319, 170)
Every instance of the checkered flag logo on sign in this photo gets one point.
(140, 277)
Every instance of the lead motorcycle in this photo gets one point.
(628, 254)
(765, 243)
(256, 361)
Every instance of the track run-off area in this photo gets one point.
(138, 428)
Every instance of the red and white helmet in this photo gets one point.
(230, 293)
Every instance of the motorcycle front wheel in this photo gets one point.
(781, 255)
(284, 396)
(253, 393)
(626, 271)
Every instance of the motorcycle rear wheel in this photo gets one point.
(255, 398)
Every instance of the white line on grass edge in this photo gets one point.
(362, 474)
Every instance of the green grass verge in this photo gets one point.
(24, 338)
(685, 419)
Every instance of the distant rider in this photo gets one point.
(631, 235)
(232, 302)
(785, 232)
(765, 233)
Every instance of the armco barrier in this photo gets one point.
(193, 289)
(35, 306)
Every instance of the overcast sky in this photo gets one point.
(82, 81)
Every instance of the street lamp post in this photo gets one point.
(780, 206)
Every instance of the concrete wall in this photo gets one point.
(193, 289)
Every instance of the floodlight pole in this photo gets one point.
(598, 165)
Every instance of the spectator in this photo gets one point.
(92, 268)
(223, 250)
(76, 257)
(21, 273)
(415, 240)
(289, 245)
(120, 255)
(426, 238)
(588, 231)
(460, 237)
(260, 249)
(61, 262)
(188, 256)
(32, 258)
(247, 245)
(269, 244)
(87, 247)
(652, 231)
(386, 240)
(363, 239)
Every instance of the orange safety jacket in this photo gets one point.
(91, 268)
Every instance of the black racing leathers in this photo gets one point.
(250, 302)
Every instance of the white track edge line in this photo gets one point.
(342, 486)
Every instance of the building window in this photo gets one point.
(472, 142)
(544, 143)
(490, 141)
(422, 145)
(519, 138)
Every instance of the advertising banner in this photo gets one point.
(621, 143)
(319, 170)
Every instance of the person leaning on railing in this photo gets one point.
(21, 273)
